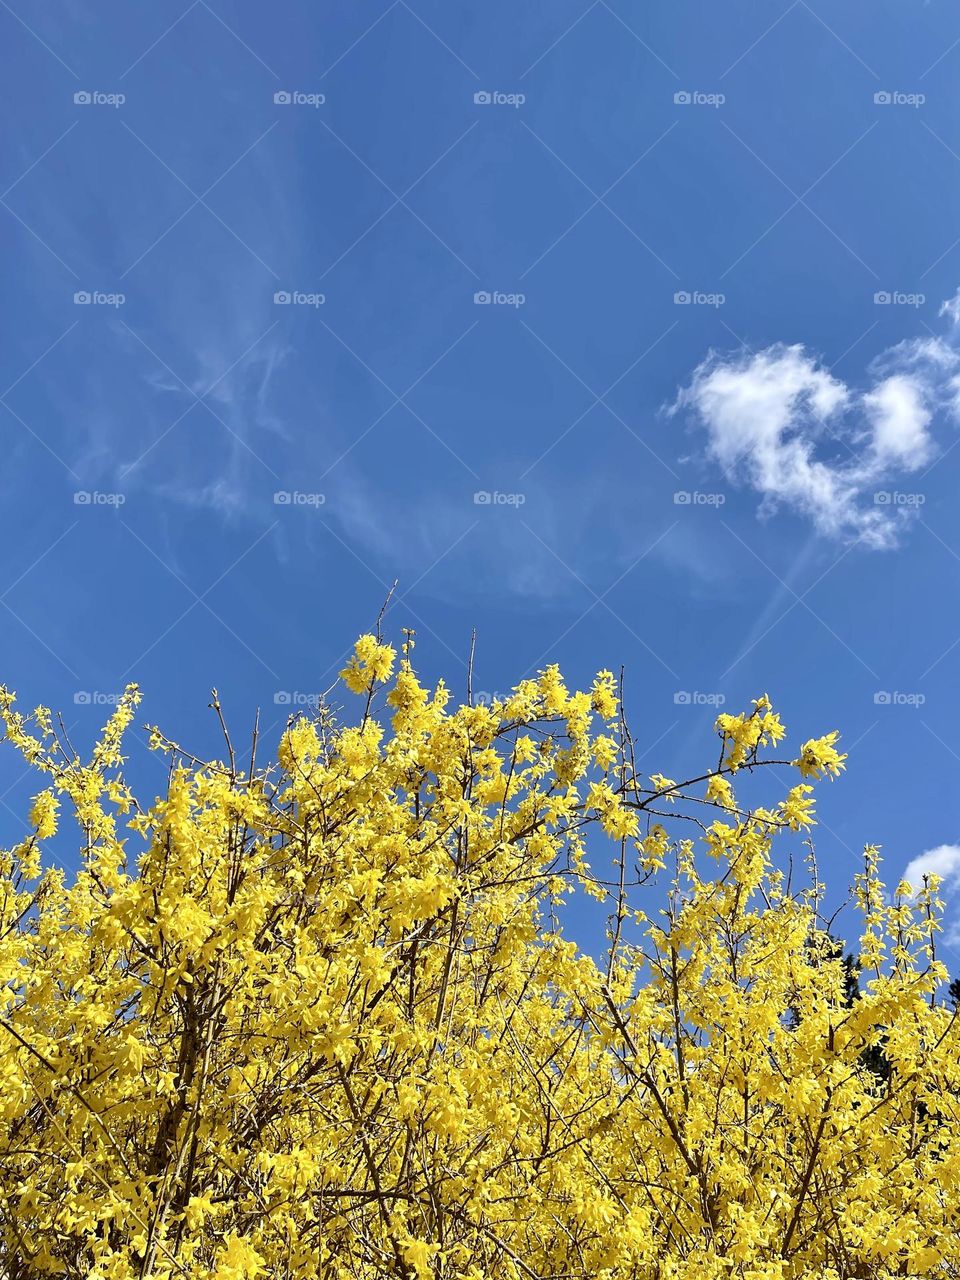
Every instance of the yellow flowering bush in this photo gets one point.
(318, 1019)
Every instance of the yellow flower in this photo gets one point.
(371, 662)
(324, 1021)
(819, 757)
(43, 814)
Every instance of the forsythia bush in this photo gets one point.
(318, 1019)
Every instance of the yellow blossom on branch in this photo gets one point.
(321, 1021)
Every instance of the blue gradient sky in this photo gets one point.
(784, 186)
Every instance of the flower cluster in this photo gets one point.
(319, 1021)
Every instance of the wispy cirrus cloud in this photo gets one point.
(780, 423)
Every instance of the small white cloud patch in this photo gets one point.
(779, 422)
(900, 416)
(768, 414)
(951, 308)
(943, 861)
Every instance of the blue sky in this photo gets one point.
(712, 395)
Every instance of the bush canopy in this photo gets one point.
(318, 1019)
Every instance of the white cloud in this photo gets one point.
(943, 861)
(766, 415)
(899, 413)
(951, 308)
(224, 495)
(779, 422)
